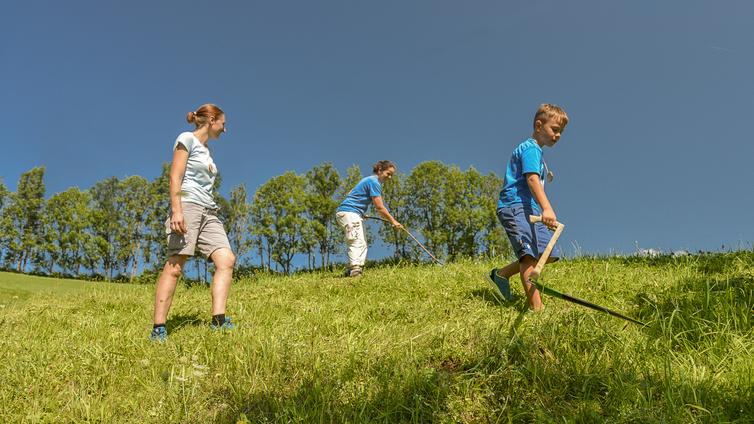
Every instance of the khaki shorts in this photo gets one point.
(203, 231)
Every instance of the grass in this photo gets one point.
(401, 344)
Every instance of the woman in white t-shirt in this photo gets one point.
(193, 222)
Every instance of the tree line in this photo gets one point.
(116, 228)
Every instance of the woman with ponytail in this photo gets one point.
(193, 223)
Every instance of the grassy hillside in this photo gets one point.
(401, 344)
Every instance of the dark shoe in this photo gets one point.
(501, 286)
(226, 325)
(159, 334)
(355, 272)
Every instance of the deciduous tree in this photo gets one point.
(107, 207)
(395, 197)
(322, 184)
(24, 215)
(280, 203)
(426, 204)
(66, 222)
(135, 198)
(237, 220)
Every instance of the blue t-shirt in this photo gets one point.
(526, 159)
(359, 199)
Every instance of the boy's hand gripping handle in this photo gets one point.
(546, 255)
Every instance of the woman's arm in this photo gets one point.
(177, 170)
(382, 210)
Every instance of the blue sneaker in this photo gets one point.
(159, 334)
(226, 325)
(500, 285)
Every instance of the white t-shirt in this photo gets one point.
(200, 172)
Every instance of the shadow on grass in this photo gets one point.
(516, 302)
(513, 331)
(487, 295)
(178, 321)
(416, 396)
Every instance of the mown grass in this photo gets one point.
(401, 344)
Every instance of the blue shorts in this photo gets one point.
(526, 239)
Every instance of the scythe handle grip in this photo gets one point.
(548, 250)
(538, 218)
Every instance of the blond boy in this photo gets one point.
(522, 195)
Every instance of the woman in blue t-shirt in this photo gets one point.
(350, 213)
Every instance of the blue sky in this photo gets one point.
(660, 96)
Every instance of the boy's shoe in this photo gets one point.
(159, 334)
(500, 285)
(226, 325)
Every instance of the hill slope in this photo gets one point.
(401, 344)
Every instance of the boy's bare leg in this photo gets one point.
(509, 270)
(514, 268)
(224, 259)
(527, 264)
(166, 287)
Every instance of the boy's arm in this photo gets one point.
(535, 186)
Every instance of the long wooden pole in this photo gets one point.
(548, 250)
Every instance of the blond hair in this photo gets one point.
(549, 111)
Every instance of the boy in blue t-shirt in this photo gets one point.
(350, 213)
(522, 195)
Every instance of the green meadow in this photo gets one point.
(403, 343)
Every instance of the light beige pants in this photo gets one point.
(353, 226)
